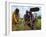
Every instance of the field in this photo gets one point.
(22, 27)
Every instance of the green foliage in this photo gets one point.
(38, 24)
(39, 17)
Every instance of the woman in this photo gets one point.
(27, 20)
(15, 19)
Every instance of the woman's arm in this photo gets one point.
(15, 19)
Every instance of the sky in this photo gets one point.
(22, 10)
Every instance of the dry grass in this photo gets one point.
(21, 26)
